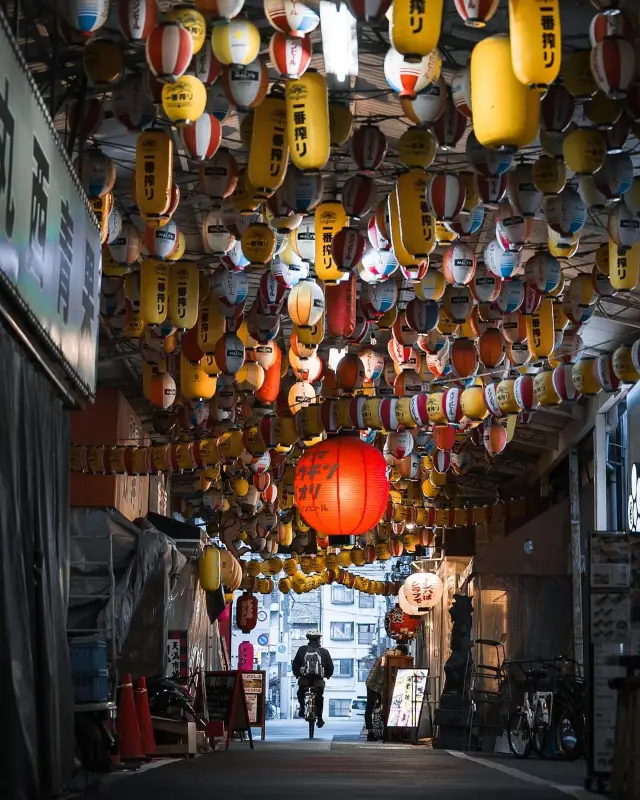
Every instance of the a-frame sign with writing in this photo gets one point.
(226, 701)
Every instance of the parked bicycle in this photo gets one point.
(271, 710)
(569, 717)
(528, 726)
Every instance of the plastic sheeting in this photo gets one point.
(35, 678)
(146, 564)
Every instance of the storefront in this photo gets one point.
(49, 301)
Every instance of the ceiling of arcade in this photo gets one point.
(616, 319)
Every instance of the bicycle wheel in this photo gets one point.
(519, 734)
(540, 732)
(312, 725)
(569, 731)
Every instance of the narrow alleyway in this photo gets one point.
(323, 770)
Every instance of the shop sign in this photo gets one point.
(50, 249)
(633, 504)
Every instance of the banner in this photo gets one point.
(50, 250)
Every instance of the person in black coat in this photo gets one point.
(311, 665)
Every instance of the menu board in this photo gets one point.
(254, 689)
(613, 630)
(226, 701)
(407, 698)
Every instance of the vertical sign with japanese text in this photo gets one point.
(50, 249)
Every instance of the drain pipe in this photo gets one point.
(576, 555)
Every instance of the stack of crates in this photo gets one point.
(89, 669)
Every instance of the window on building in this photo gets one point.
(366, 634)
(342, 595)
(364, 666)
(339, 708)
(343, 668)
(342, 631)
(366, 600)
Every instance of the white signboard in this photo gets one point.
(407, 698)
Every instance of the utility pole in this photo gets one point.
(283, 669)
(576, 555)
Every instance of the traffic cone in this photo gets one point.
(128, 731)
(147, 738)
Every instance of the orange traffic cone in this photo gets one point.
(128, 730)
(147, 738)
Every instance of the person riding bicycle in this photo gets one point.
(311, 665)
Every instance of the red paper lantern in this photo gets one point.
(400, 626)
(341, 486)
(369, 147)
(247, 612)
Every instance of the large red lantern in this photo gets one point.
(247, 612)
(341, 486)
(400, 626)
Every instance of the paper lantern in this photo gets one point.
(524, 196)
(576, 75)
(306, 303)
(168, 50)
(218, 177)
(544, 272)
(330, 219)
(229, 353)
(246, 612)
(623, 365)
(450, 125)
(308, 121)
(584, 150)
(400, 626)
(291, 17)
(408, 78)
(417, 148)
(428, 106)
(623, 227)
(501, 263)
(184, 100)
(461, 90)
(414, 31)
(84, 16)
(359, 196)
(445, 195)
(202, 139)
(368, 147)
(290, 55)
(585, 376)
(540, 330)
(566, 213)
(492, 189)
(613, 66)
(193, 21)
(498, 100)
(340, 123)
(347, 248)
(416, 225)
(102, 61)
(245, 86)
(235, 42)
(494, 437)
(183, 295)
(556, 109)
(330, 493)
(423, 590)
(535, 34)
(154, 160)
(512, 229)
(624, 267)
(209, 569)
(476, 13)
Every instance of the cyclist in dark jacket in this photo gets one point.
(300, 667)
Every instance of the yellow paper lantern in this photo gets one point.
(415, 222)
(584, 150)
(235, 41)
(544, 390)
(154, 171)
(585, 376)
(269, 151)
(562, 246)
(211, 325)
(193, 21)
(312, 335)
(506, 396)
(308, 121)
(340, 124)
(623, 366)
(534, 30)
(417, 148)
(184, 286)
(549, 175)
(258, 243)
(209, 569)
(472, 403)
(540, 330)
(624, 266)
(414, 28)
(444, 235)
(154, 291)
(195, 384)
(184, 101)
(499, 102)
(577, 76)
(103, 62)
(330, 219)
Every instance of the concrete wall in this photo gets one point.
(505, 555)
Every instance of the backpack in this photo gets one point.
(312, 666)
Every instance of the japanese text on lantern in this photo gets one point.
(549, 40)
(309, 479)
(277, 143)
(416, 15)
(300, 128)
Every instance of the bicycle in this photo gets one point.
(310, 709)
(528, 726)
(271, 710)
(568, 723)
